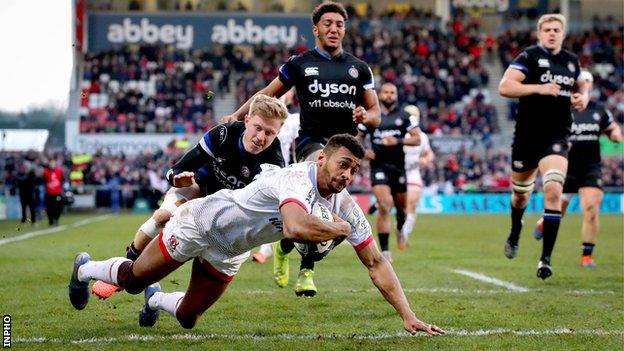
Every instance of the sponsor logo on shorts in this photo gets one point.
(518, 164)
(401, 180)
(380, 175)
(172, 243)
(311, 71)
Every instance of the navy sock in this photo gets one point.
(383, 241)
(132, 253)
(552, 218)
(516, 224)
(588, 249)
(287, 245)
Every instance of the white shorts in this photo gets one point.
(180, 240)
(414, 180)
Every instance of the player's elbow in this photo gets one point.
(503, 88)
(293, 231)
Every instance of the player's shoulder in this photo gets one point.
(532, 51)
(302, 57)
(350, 58)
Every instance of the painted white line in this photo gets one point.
(54, 229)
(378, 336)
(498, 282)
(454, 291)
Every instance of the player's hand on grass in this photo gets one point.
(183, 179)
(414, 325)
(359, 114)
(578, 101)
(551, 89)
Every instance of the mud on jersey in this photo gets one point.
(584, 134)
(544, 116)
(328, 89)
(229, 165)
(397, 123)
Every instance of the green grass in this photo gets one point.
(576, 309)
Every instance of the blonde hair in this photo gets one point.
(268, 107)
(550, 17)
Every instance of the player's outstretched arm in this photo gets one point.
(384, 278)
(511, 86)
(275, 89)
(301, 226)
(614, 132)
(178, 176)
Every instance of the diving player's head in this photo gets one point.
(338, 163)
(388, 95)
(264, 120)
(328, 25)
(551, 30)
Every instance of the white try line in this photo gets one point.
(54, 229)
(377, 336)
(452, 291)
(498, 282)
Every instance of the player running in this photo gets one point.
(218, 231)
(585, 170)
(336, 92)
(228, 156)
(544, 78)
(415, 158)
(387, 162)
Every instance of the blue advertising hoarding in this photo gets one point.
(106, 31)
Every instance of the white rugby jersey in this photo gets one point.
(235, 221)
(288, 133)
(412, 153)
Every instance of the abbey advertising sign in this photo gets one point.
(106, 31)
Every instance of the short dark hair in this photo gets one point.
(326, 7)
(345, 140)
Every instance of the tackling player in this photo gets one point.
(336, 92)
(218, 231)
(544, 78)
(387, 162)
(585, 170)
(228, 156)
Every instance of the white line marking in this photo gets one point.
(457, 291)
(54, 229)
(498, 282)
(377, 336)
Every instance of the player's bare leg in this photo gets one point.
(148, 231)
(384, 205)
(553, 169)
(591, 198)
(522, 187)
(400, 203)
(205, 288)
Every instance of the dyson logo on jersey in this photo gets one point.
(228, 180)
(556, 78)
(181, 36)
(233, 33)
(579, 128)
(331, 88)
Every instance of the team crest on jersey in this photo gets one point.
(596, 116)
(556, 147)
(245, 171)
(543, 62)
(398, 122)
(311, 71)
(571, 67)
(353, 72)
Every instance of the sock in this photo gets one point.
(287, 245)
(400, 218)
(588, 249)
(552, 218)
(516, 224)
(383, 241)
(105, 271)
(266, 250)
(132, 253)
(306, 264)
(166, 301)
(408, 226)
(150, 228)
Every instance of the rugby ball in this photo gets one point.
(322, 212)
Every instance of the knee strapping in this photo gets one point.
(127, 280)
(523, 187)
(554, 175)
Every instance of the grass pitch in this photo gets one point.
(576, 309)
